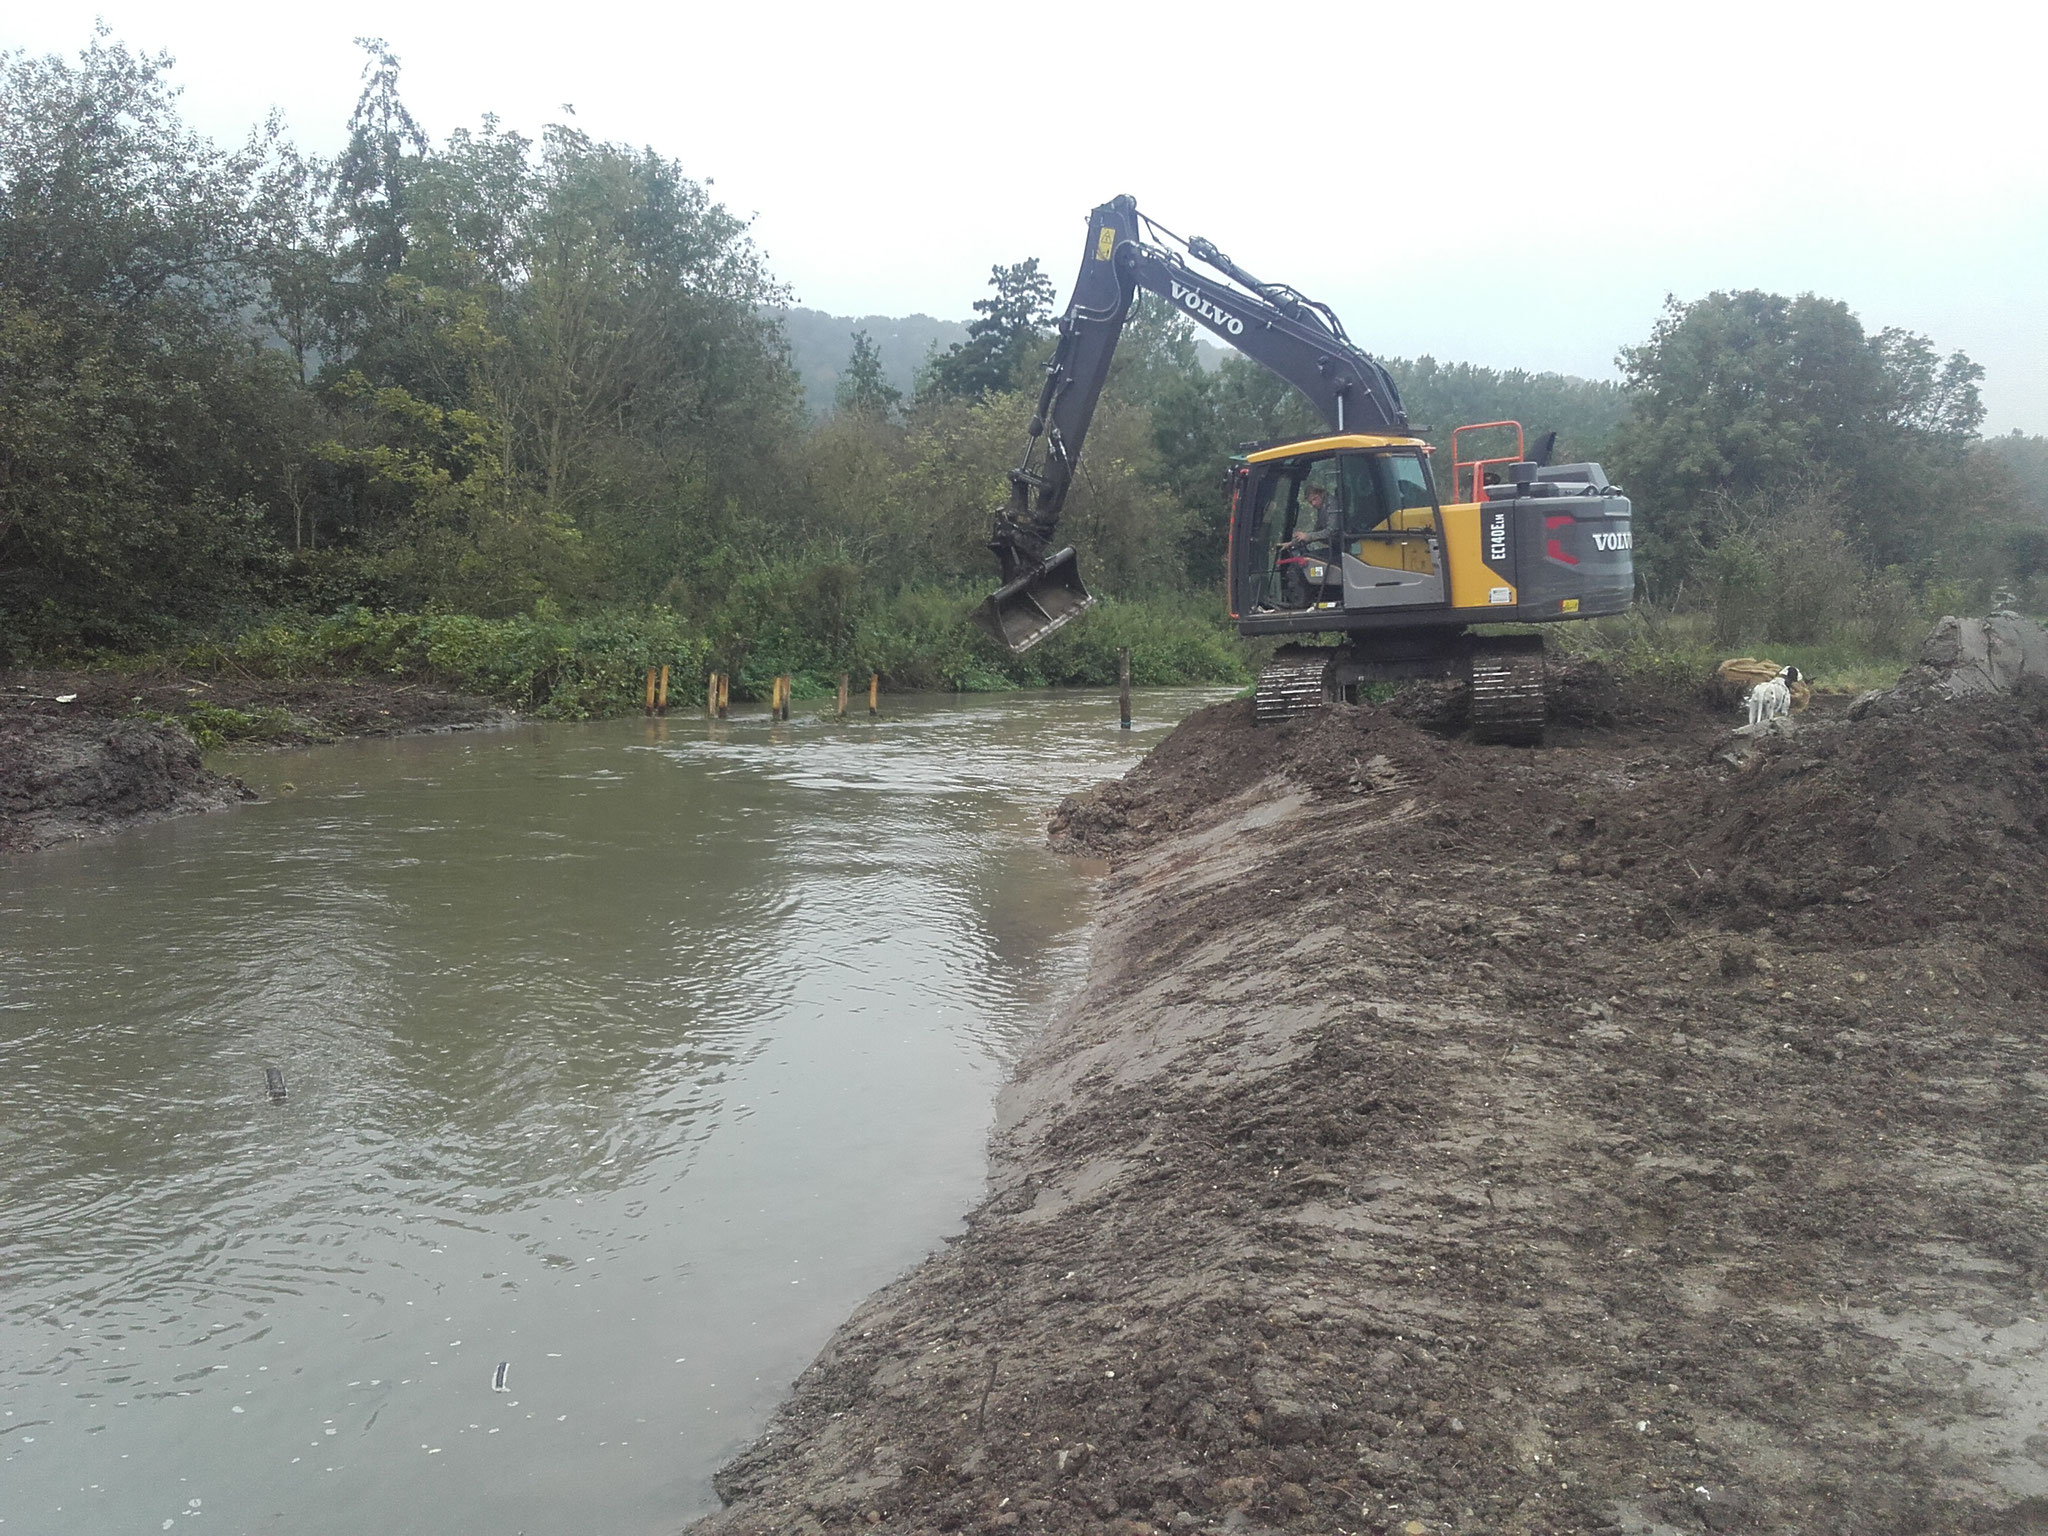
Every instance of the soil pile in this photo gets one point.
(1438, 1147)
(64, 778)
(1859, 831)
(1830, 828)
(1220, 752)
(1212, 755)
(1964, 658)
(118, 751)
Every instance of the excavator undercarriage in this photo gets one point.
(1503, 674)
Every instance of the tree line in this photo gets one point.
(544, 379)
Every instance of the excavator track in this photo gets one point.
(1291, 685)
(1507, 697)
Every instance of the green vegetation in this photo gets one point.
(573, 669)
(817, 348)
(524, 416)
(1805, 482)
(215, 725)
(1668, 655)
(1441, 396)
(564, 669)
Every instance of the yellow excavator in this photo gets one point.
(1342, 534)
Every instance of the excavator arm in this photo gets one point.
(1293, 337)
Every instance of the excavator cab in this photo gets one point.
(1336, 526)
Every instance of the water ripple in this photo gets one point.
(632, 1054)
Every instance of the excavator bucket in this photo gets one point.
(1023, 612)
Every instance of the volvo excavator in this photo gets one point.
(1342, 534)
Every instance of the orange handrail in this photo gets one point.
(1479, 466)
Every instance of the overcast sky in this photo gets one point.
(890, 153)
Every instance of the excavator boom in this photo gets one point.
(1293, 337)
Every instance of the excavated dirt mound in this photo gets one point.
(65, 778)
(1831, 829)
(1860, 832)
(1220, 752)
(91, 764)
(1642, 1134)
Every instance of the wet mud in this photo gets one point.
(1645, 1133)
(83, 753)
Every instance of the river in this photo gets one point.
(629, 1055)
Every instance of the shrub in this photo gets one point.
(562, 669)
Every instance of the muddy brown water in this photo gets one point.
(631, 1055)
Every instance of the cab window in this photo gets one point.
(1365, 496)
(1411, 486)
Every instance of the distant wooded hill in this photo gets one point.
(1439, 396)
(819, 345)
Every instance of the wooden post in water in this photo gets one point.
(724, 693)
(650, 691)
(787, 682)
(661, 697)
(843, 681)
(1123, 683)
(711, 696)
(874, 694)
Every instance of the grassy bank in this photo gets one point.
(562, 668)
(1674, 653)
(918, 640)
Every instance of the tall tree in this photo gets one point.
(1001, 343)
(1441, 397)
(1740, 393)
(863, 389)
(134, 406)
(370, 186)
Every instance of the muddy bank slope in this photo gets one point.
(1648, 1133)
(117, 751)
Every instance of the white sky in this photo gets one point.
(891, 152)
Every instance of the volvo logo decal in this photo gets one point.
(1192, 300)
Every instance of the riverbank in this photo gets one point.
(1639, 1134)
(85, 752)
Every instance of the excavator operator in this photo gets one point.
(1320, 519)
(1307, 561)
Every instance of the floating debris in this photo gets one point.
(498, 1377)
(275, 1080)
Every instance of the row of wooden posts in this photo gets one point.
(718, 694)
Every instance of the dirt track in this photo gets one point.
(1631, 1135)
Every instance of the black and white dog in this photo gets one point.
(1767, 701)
